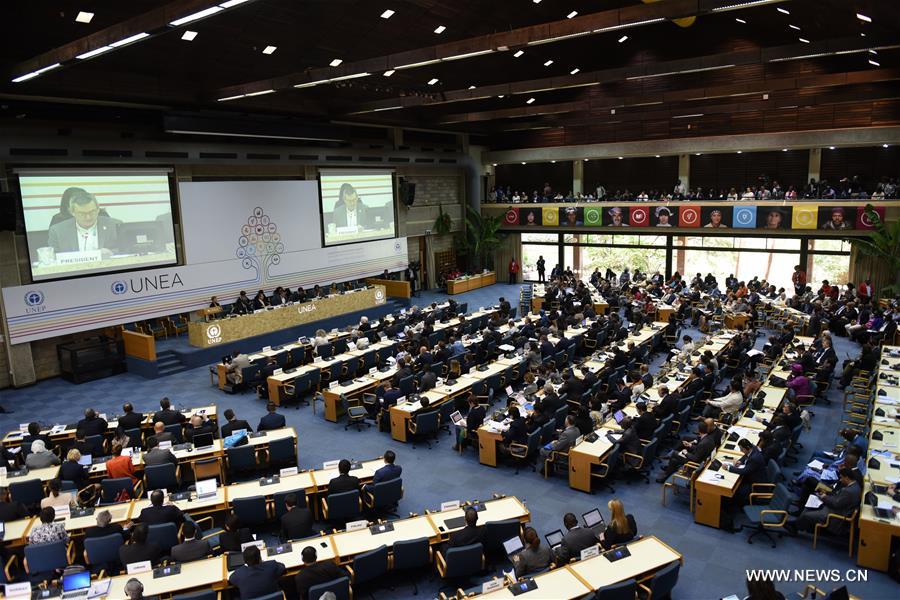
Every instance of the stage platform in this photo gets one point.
(174, 355)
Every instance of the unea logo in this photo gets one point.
(119, 287)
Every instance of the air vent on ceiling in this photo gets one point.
(425, 160)
(370, 159)
(447, 161)
(304, 157)
(107, 153)
(258, 156)
(38, 152)
(165, 154)
(341, 158)
(398, 159)
(231, 155)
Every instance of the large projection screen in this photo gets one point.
(81, 222)
(357, 206)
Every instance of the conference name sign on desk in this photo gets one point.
(204, 334)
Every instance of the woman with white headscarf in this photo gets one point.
(40, 457)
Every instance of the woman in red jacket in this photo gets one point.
(513, 270)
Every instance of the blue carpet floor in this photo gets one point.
(715, 561)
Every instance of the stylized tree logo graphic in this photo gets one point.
(260, 245)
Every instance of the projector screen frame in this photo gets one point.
(351, 171)
(17, 172)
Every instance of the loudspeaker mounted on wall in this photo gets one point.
(407, 192)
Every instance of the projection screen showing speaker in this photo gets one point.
(80, 222)
(357, 206)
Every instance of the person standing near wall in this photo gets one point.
(513, 270)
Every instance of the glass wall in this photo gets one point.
(772, 259)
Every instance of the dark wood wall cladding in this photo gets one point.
(870, 164)
(724, 171)
(530, 177)
(633, 174)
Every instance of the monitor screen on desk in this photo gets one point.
(86, 460)
(87, 221)
(206, 487)
(80, 580)
(203, 440)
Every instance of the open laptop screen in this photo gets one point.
(203, 440)
(80, 580)
(592, 518)
(513, 545)
(555, 538)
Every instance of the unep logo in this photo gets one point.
(34, 298)
(214, 334)
(118, 287)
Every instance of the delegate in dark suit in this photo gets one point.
(63, 237)
(315, 574)
(157, 456)
(387, 472)
(190, 550)
(343, 483)
(270, 421)
(167, 513)
(257, 580)
(470, 534)
(236, 425)
(843, 501)
(575, 540)
(130, 420)
(296, 524)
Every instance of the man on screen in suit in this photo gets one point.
(87, 230)
(349, 210)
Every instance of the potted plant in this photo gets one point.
(443, 222)
(882, 243)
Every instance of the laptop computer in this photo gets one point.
(593, 520)
(206, 488)
(86, 460)
(618, 416)
(203, 440)
(457, 419)
(76, 585)
(554, 539)
(513, 546)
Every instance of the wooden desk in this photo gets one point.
(392, 287)
(120, 513)
(499, 509)
(332, 395)
(875, 533)
(736, 320)
(559, 584)
(15, 533)
(350, 543)
(206, 335)
(467, 284)
(402, 414)
(584, 456)
(648, 554)
(206, 573)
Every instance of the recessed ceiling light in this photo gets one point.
(657, 156)
(874, 63)
(500, 96)
(794, 27)
(572, 14)
(548, 63)
(529, 101)
(784, 11)
(493, 164)
(804, 40)
(389, 72)
(189, 35)
(587, 159)
(740, 151)
(884, 145)
(197, 16)
(784, 149)
(336, 62)
(553, 161)
(433, 81)
(270, 49)
(94, 52)
(873, 51)
(387, 14)
(85, 17)
(471, 87)
(741, 21)
(863, 17)
(518, 54)
(862, 35)
(440, 29)
(524, 163)
(831, 147)
(536, 1)
(697, 154)
(574, 71)
(623, 38)
(621, 158)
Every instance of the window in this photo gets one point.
(828, 259)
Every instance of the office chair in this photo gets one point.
(101, 554)
(412, 555)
